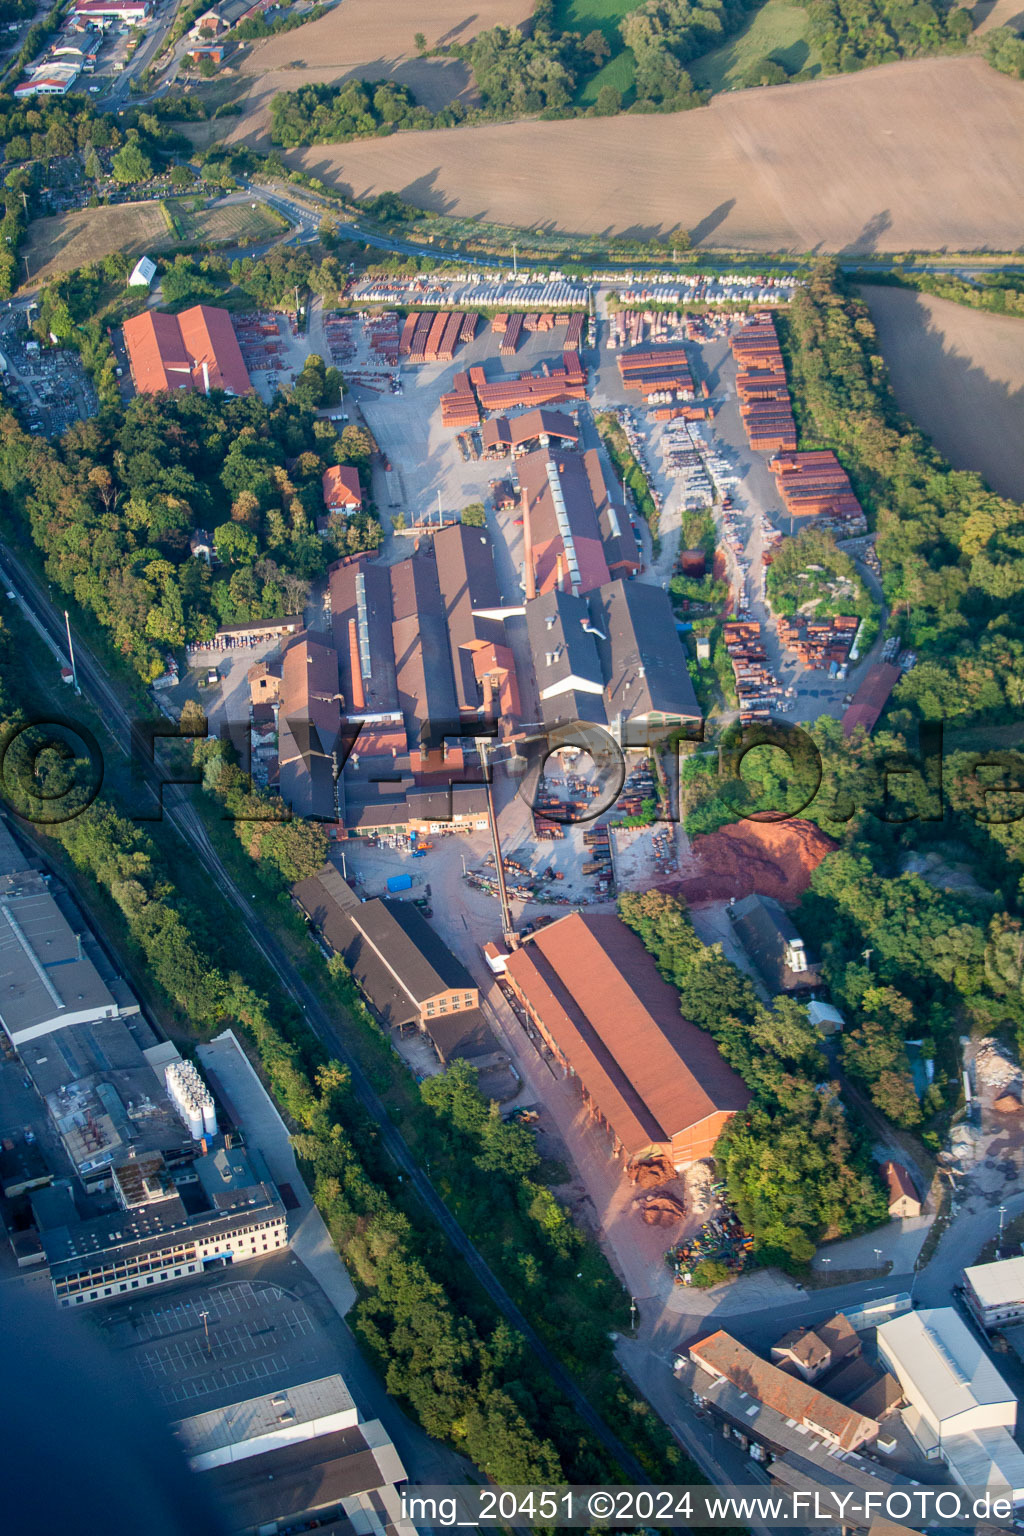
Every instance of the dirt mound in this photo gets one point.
(661, 1210)
(753, 857)
(656, 1170)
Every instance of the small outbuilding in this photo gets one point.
(903, 1197)
(143, 273)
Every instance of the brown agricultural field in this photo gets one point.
(73, 240)
(958, 373)
(919, 155)
(375, 42)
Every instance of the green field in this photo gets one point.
(619, 72)
(235, 222)
(594, 16)
(778, 30)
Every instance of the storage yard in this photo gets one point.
(745, 172)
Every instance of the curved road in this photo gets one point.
(97, 685)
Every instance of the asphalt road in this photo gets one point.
(96, 685)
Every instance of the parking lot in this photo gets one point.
(228, 1334)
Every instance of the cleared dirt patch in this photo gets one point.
(959, 374)
(373, 41)
(767, 858)
(861, 162)
(74, 239)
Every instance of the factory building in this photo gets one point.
(197, 349)
(960, 1410)
(653, 1079)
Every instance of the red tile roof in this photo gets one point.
(871, 698)
(900, 1183)
(722, 1355)
(341, 487)
(169, 351)
(650, 1072)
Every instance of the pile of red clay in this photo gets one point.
(766, 858)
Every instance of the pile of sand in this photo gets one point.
(752, 857)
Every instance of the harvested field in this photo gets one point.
(74, 239)
(236, 222)
(860, 162)
(959, 375)
(767, 858)
(374, 42)
(989, 14)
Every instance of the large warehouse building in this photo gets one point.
(960, 1409)
(197, 349)
(575, 537)
(655, 1080)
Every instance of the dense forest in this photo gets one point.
(112, 506)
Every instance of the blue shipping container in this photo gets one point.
(399, 882)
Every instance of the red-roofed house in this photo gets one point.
(197, 349)
(342, 491)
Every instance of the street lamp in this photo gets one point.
(632, 1314)
(1002, 1219)
(878, 1258)
(826, 1261)
(206, 1329)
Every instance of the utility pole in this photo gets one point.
(508, 931)
(71, 652)
(515, 262)
(440, 514)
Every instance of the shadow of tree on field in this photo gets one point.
(706, 226)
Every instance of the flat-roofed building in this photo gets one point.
(656, 1081)
(197, 349)
(47, 979)
(160, 1241)
(721, 1357)
(295, 1458)
(995, 1292)
(959, 1407)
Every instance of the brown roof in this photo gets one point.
(309, 722)
(423, 669)
(899, 1181)
(361, 616)
(468, 583)
(582, 554)
(805, 1346)
(650, 1072)
(840, 1336)
(722, 1355)
(871, 698)
(169, 351)
(341, 486)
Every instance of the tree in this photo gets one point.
(93, 168)
(474, 515)
(596, 44)
(182, 178)
(420, 42)
(207, 67)
(609, 101)
(131, 164)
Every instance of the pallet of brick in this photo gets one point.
(419, 337)
(499, 324)
(574, 332)
(510, 340)
(574, 369)
(531, 322)
(469, 324)
(449, 339)
(434, 335)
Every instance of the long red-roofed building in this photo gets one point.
(197, 349)
(653, 1078)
